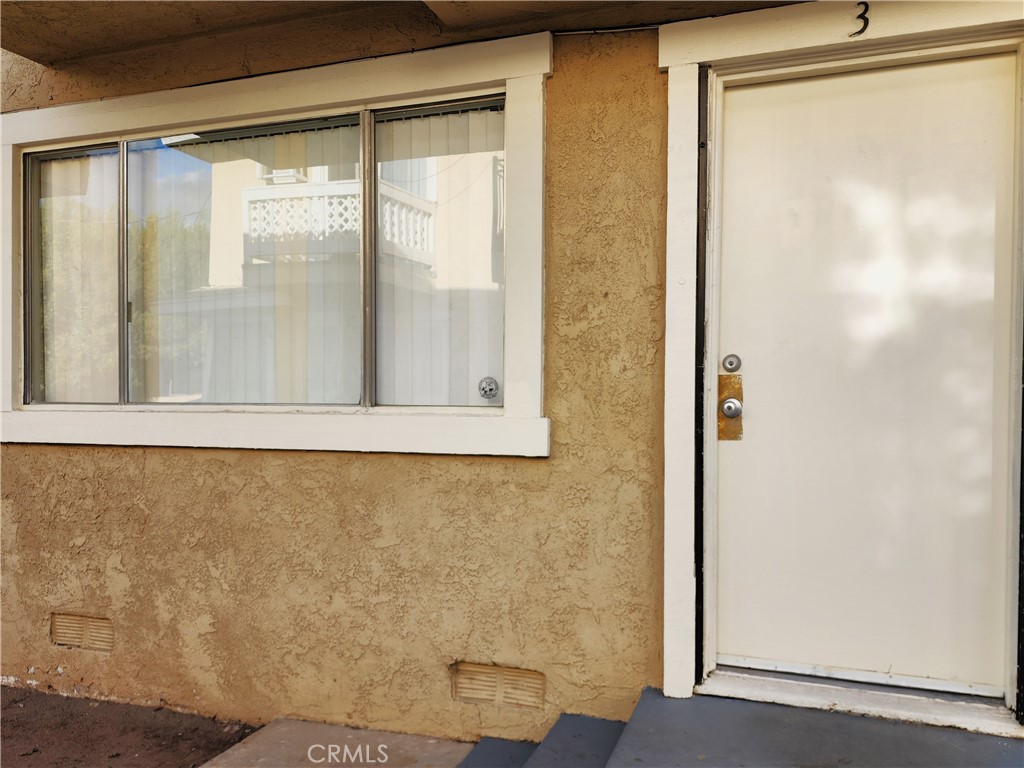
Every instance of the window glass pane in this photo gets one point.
(244, 268)
(73, 278)
(440, 285)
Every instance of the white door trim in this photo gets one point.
(774, 44)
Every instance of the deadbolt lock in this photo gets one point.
(731, 363)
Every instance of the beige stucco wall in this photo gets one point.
(341, 587)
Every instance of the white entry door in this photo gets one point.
(865, 258)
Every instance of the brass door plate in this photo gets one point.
(730, 385)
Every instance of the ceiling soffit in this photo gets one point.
(59, 33)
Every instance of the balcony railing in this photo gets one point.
(313, 222)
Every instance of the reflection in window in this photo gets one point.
(244, 268)
(73, 279)
(229, 267)
(440, 257)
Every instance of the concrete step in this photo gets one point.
(707, 730)
(577, 741)
(498, 753)
(300, 744)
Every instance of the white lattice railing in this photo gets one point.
(317, 220)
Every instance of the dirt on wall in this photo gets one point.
(340, 587)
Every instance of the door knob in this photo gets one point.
(731, 408)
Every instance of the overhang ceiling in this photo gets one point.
(56, 32)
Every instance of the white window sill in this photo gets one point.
(379, 430)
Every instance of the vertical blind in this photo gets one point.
(244, 269)
(74, 283)
(440, 257)
(243, 275)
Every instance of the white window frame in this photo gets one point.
(515, 67)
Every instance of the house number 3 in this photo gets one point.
(862, 17)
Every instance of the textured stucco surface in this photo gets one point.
(340, 587)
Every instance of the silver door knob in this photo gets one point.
(732, 408)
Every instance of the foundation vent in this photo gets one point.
(486, 684)
(81, 632)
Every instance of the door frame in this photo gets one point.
(701, 58)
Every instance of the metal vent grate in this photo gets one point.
(485, 684)
(81, 632)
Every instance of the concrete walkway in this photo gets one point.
(698, 732)
(300, 744)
